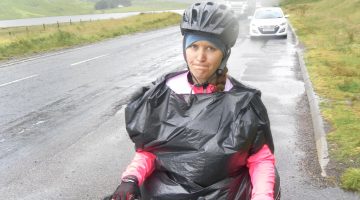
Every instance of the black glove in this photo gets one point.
(127, 190)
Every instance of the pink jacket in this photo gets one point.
(261, 164)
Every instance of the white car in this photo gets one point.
(240, 7)
(268, 21)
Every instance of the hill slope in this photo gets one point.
(13, 9)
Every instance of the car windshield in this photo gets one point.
(268, 14)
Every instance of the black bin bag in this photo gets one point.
(201, 141)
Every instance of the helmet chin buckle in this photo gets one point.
(219, 71)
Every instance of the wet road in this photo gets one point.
(271, 65)
(62, 133)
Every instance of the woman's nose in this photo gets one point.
(201, 55)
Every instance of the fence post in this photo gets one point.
(70, 22)
(44, 26)
(58, 25)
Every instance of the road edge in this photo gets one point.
(317, 120)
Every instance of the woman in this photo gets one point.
(200, 134)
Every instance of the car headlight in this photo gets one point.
(283, 24)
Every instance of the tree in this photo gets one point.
(107, 4)
(125, 3)
(100, 5)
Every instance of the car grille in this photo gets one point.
(268, 29)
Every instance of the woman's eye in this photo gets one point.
(193, 46)
(211, 48)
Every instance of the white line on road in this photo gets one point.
(77, 63)
(42, 56)
(18, 80)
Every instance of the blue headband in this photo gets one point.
(190, 38)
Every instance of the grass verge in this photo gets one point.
(329, 30)
(22, 41)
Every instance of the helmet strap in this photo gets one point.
(184, 50)
(223, 63)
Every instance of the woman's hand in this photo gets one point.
(127, 190)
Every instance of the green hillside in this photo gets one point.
(329, 30)
(151, 5)
(15, 9)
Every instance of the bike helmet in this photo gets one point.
(213, 18)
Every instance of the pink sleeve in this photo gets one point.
(142, 165)
(262, 174)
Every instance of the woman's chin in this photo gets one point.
(200, 74)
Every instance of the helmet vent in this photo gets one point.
(216, 18)
(204, 17)
(210, 3)
(194, 15)
(185, 19)
(197, 4)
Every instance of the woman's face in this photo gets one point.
(203, 59)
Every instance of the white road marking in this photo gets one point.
(44, 56)
(77, 63)
(18, 80)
